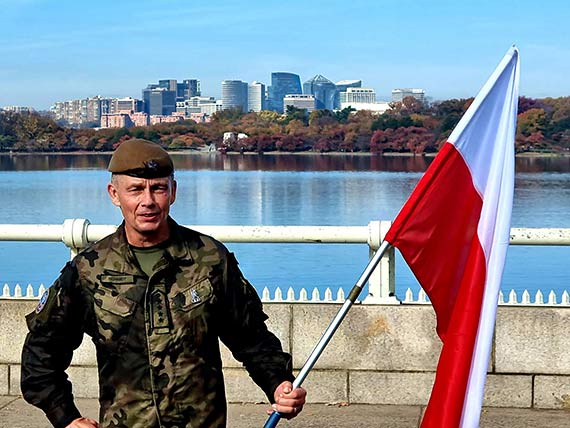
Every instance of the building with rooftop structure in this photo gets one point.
(324, 91)
(358, 95)
(399, 94)
(159, 100)
(300, 101)
(127, 105)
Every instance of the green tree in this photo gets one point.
(295, 113)
(342, 116)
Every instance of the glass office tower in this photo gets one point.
(324, 90)
(282, 84)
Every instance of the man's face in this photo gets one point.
(145, 204)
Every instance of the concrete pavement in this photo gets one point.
(16, 413)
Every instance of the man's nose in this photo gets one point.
(148, 197)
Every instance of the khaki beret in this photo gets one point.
(141, 158)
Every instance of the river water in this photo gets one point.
(275, 190)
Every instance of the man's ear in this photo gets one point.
(173, 193)
(113, 194)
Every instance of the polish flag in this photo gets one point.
(454, 232)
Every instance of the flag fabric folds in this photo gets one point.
(454, 232)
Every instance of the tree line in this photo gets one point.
(409, 127)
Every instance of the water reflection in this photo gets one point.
(52, 162)
(267, 162)
(274, 190)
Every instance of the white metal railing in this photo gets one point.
(78, 233)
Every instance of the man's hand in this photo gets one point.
(83, 423)
(288, 401)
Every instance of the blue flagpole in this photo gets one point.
(331, 329)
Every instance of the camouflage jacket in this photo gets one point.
(156, 337)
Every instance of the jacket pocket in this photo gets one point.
(114, 314)
(191, 310)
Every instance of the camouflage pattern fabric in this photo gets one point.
(156, 337)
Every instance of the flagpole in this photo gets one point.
(331, 329)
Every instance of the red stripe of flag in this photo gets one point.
(436, 232)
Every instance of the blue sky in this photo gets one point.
(56, 50)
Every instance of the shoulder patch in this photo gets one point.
(43, 301)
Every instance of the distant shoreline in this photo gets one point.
(307, 153)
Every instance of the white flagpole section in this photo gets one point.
(331, 329)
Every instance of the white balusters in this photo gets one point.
(552, 297)
(29, 292)
(422, 296)
(525, 298)
(265, 295)
(330, 296)
(501, 298)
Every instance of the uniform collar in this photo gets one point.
(177, 248)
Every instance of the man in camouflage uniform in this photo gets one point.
(155, 297)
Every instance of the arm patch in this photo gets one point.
(51, 299)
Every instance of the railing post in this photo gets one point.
(74, 234)
(381, 284)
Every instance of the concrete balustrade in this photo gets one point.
(385, 351)
(381, 354)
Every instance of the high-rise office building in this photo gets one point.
(193, 105)
(234, 95)
(343, 85)
(159, 100)
(18, 109)
(362, 99)
(127, 105)
(282, 83)
(187, 89)
(398, 95)
(169, 84)
(256, 97)
(83, 112)
(301, 101)
(325, 92)
(358, 95)
(93, 107)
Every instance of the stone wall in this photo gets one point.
(379, 355)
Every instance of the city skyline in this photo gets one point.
(68, 50)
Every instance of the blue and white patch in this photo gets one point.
(195, 297)
(43, 301)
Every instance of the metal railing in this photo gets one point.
(78, 233)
